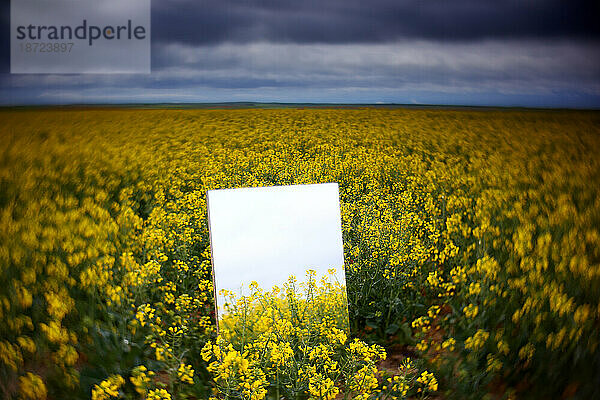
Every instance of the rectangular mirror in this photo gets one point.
(280, 244)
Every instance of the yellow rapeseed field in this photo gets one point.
(471, 240)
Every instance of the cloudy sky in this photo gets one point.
(467, 52)
(267, 234)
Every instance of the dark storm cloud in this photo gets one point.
(395, 72)
(360, 21)
(4, 36)
(492, 52)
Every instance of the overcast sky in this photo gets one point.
(471, 52)
(267, 234)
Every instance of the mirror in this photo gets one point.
(262, 236)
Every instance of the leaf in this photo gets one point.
(391, 329)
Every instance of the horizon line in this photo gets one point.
(258, 104)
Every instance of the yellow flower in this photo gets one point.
(186, 373)
(158, 394)
(32, 387)
(477, 341)
(324, 389)
(141, 378)
(428, 380)
(108, 388)
(471, 311)
(449, 344)
(364, 381)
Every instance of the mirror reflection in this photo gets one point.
(278, 249)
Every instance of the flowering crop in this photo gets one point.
(469, 236)
(293, 342)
